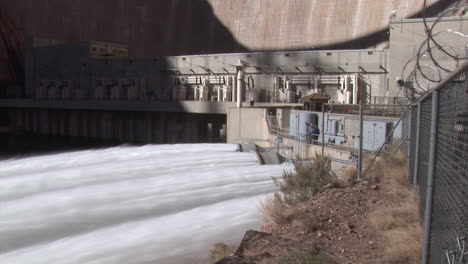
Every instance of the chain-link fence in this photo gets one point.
(385, 136)
(442, 174)
(433, 134)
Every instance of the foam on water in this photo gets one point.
(151, 204)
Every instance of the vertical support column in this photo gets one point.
(93, 121)
(34, 121)
(44, 124)
(130, 126)
(234, 89)
(430, 176)
(416, 146)
(52, 122)
(73, 124)
(162, 127)
(148, 128)
(187, 128)
(356, 93)
(361, 128)
(240, 87)
(155, 126)
(209, 125)
(84, 124)
(224, 133)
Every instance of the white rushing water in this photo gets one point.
(153, 204)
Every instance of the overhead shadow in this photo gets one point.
(151, 29)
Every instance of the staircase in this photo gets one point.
(273, 125)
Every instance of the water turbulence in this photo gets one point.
(151, 204)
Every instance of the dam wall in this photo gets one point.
(162, 28)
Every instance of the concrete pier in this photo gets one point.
(136, 127)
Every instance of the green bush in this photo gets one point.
(306, 181)
(307, 259)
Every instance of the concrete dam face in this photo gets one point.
(160, 28)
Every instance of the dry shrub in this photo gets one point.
(375, 172)
(305, 181)
(274, 210)
(219, 251)
(403, 193)
(397, 216)
(392, 218)
(349, 174)
(396, 159)
(395, 167)
(390, 166)
(400, 225)
(404, 244)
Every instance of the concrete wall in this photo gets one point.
(246, 123)
(406, 38)
(299, 24)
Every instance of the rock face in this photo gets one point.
(333, 223)
(263, 248)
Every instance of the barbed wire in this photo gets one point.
(434, 59)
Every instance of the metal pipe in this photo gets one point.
(416, 147)
(234, 88)
(430, 176)
(361, 128)
(240, 87)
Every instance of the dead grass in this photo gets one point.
(274, 211)
(399, 223)
(375, 172)
(388, 166)
(404, 244)
(219, 251)
(393, 218)
(349, 174)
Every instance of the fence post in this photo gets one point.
(410, 139)
(416, 146)
(430, 176)
(323, 129)
(361, 125)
